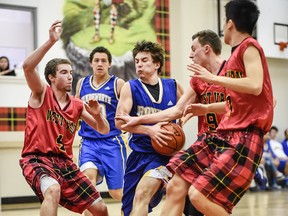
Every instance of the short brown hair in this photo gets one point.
(51, 67)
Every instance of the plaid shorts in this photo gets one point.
(221, 166)
(77, 192)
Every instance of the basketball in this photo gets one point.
(177, 142)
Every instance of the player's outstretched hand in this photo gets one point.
(55, 30)
(93, 107)
(200, 72)
(196, 109)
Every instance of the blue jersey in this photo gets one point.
(144, 103)
(107, 97)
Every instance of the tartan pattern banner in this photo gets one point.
(162, 32)
(12, 118)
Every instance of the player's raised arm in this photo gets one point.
(29, 66)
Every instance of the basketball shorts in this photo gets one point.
(108, 156)
(221, 166)
(77, 192)
(139, 165)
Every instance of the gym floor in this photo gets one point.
(252, 204)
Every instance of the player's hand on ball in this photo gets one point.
(159, 135)
(174, 141)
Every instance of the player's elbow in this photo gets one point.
(256, 90)
(26, 67)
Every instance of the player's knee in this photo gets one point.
(173, 187)
(53, 193)
(141, 195)
(116, 194)
(195, 198)
(91, 176)
(99, 209)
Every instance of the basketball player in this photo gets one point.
(145, 171)
(52, 116)
(205, 50)
(102, 154)
(219, 183)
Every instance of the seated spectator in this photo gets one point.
(280, 159)
(5, 67)
(275, 177)
(267, 176)
(285, 142)
(260, 179)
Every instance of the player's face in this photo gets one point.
(63, 79)
(100, 64)
(197, 54)
(145, 67)
(226, 32)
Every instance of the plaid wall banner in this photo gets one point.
(12, 118)
(162, 31)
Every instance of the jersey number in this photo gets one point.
(211, 121)
(60, 143)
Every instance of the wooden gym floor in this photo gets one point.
(268, 203)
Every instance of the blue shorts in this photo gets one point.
(108, 156)
(138, 164)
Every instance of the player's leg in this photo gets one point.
(40, 175)
(88, 163)
(133, 173)
(98, 209)
(91, 174)
(78, 194)
(176, 192)
(51, 192)
(146, 188)
(204, 205)
(113, 157)
(221, 185)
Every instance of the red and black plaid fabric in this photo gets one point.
(162, 32)
(221, 168)
(77, 192)
(12, 119)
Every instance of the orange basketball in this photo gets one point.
(177, 142)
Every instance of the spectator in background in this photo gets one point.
(285, 142)
(275, 177)
(5, 67)
(280, 159)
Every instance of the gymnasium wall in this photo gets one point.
(186, 18)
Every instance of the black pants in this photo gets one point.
(189, 209)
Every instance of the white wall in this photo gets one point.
(186, 18)
(47, 12)
(273, 12)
